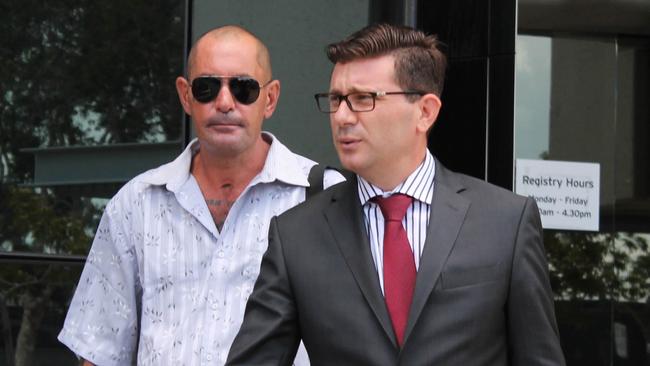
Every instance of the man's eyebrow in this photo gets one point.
(353, 89)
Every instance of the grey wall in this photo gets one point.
(296, 33)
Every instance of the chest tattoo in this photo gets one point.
(220, 207)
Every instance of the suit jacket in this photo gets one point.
(482, 293)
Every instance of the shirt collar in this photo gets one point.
(419, 184)
(175, 173)
(281, 164)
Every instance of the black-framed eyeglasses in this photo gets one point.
(245, 89)
(357, 101)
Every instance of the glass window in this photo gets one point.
(88, 101)
(34, 299)
(582, 96)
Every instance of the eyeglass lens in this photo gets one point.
(244, 89)
(358, 102)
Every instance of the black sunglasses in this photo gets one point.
(246, 90)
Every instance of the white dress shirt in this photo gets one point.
(418, 185)
(160, 279)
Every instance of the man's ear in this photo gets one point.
(429, 108)
(272, 96)
(183, 90)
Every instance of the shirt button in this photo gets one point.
(221, 254)
(215, 306)
(208, 357)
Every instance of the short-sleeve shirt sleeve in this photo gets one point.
(102, 321)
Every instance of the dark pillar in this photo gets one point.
(474, 133)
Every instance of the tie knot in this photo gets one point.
(394, 207)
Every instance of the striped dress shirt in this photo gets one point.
(418, 185)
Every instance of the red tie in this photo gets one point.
(399, 267)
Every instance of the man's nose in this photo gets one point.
(224, 102)
(344, 115)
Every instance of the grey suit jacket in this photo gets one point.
(482, 294)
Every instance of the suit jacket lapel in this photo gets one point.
(448, 210)
(345, 218)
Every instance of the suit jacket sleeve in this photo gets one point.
(269, 334)
(532, 331)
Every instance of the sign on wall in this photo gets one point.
(567, 193)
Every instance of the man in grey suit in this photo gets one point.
(407, 263)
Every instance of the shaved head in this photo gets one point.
(232, 32)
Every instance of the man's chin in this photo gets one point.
(350, 164)
(225, 145)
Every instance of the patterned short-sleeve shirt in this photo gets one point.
(161, 284)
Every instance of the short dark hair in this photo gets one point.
(419, 62)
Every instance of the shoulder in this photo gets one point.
(491, 213)
(284, 163)
(314, 207)
(482, 195)
(301, 162)
(292, 166)
(133, 193)
(169, 176)
(308, 224)
(480, 187)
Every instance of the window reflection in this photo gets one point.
(532, 113)
(88, 72)
(88, 101)
(599, 266)
(583, 97)
(33, 300)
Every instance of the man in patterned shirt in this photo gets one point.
(178, 248)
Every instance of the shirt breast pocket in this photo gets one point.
(473, 276)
